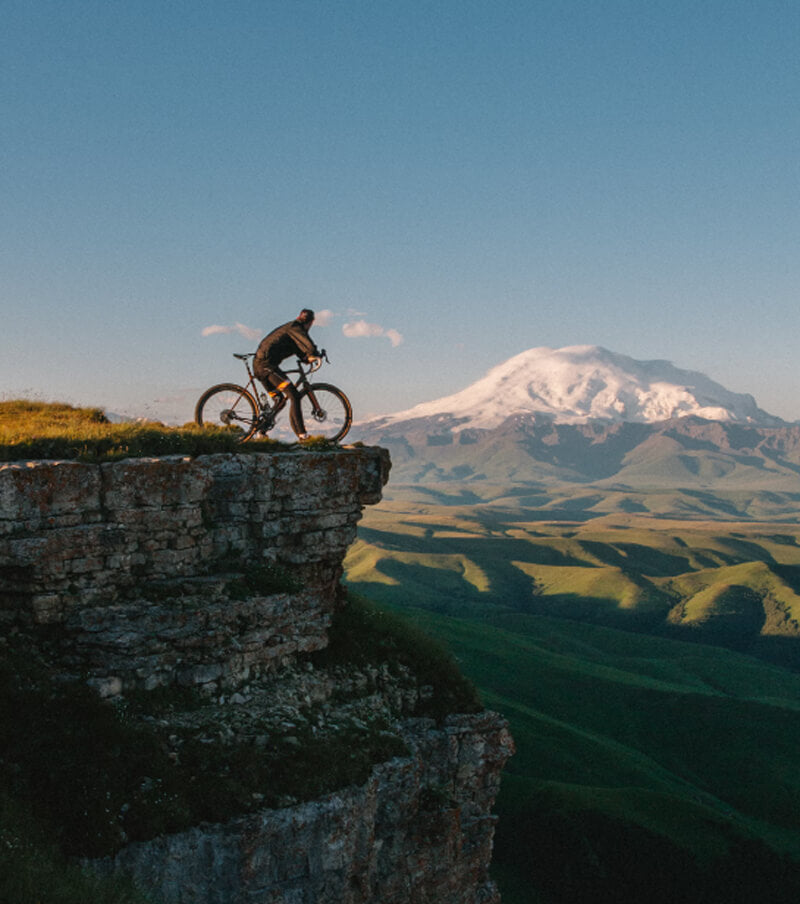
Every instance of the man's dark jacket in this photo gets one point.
(289, 339)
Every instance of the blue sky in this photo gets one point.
(455, 182)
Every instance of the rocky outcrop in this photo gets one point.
(221, 575)
(140, 561)
(419, 830)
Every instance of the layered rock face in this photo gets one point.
(220, 575)
(418, 831)
(137, 560)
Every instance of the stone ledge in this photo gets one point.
(73, 533)
(81, 543)
(393, 840)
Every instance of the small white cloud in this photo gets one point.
(360, 329)
(324, 317)
(246, 331)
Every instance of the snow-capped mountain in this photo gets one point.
(580, 383)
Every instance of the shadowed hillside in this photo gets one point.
(735, 586)
(637, 757)
(648, 768)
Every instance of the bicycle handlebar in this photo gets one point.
(316, 363)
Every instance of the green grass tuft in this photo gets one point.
(318, 444)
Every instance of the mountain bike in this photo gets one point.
(251, 411)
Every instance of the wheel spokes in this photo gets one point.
(228, 406)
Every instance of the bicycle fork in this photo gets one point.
(316, 409)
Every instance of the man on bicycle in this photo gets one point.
(290, 339)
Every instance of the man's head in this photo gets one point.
(306, 317)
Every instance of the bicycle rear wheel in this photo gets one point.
(326, 411)
(228, 405)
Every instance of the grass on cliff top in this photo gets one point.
(47, 430)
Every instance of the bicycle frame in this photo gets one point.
(258, 390)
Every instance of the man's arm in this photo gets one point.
(304, 342)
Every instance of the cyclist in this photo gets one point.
(290, 339)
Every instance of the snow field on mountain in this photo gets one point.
(585, 382)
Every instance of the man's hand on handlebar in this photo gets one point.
(312, 362)
(316, 360)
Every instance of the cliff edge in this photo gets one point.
(301, 747)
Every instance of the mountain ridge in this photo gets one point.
(681, 452)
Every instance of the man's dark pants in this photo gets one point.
(276, 380)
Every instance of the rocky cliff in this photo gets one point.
(320, 779)
(141, 561)
(417, 830)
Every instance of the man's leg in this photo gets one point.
(276, 381)
(296, 412)
(270, 381)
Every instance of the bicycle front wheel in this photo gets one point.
(228, 405)
(326, 411)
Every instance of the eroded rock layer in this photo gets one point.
(141, 561)
(419, 830)
(217, 578)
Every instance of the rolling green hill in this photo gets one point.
(637, 756)
(648, 768)
(735, 585)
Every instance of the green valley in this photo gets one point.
(649, 669)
